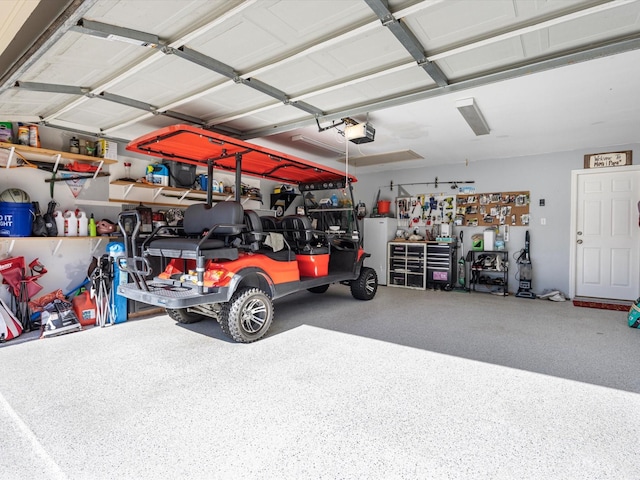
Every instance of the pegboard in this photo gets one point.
(492, 209)
(425, 209)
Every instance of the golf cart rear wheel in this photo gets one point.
(247, 316)
(366, 285)
(181, 315)
(319, 289)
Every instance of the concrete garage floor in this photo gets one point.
(415, 385)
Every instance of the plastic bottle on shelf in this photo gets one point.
(93, 229)
(74, 145)
(70, 224)
(83, 223)
(58, 216)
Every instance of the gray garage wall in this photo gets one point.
(546, 177)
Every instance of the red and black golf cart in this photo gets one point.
(229, 263)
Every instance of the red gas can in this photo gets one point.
(85, 308)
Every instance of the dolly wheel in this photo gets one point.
(319, 289)
(247, 316)
(366, 285)
(181, 315)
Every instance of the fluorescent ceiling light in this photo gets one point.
(473, 116)
(316, 143)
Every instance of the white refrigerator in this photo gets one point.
(377, 232)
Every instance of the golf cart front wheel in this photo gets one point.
(366, 285)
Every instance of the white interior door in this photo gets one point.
(607, 236)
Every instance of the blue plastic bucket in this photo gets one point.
(15, 219)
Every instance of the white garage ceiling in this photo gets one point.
(548, 75)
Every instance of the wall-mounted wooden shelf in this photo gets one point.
(49, 156)
(121, 191)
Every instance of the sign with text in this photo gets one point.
(612, 159)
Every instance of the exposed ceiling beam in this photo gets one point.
(113, 32)
(532, 26)
(154, 57)
(408, 40)
(333, 40)
(228, 72)
(52, 88)
(625, 45)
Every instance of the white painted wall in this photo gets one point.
(545, 176)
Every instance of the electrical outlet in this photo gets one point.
(543, 221)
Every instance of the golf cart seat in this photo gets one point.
(270, 223)
(299, 233)
(263, 242)
(254, 234)
(210, 232)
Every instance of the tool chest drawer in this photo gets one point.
(442, 265)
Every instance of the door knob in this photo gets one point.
(579, 241)
(579, 233)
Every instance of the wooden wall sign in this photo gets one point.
(612, 159)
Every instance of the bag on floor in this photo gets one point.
(59, 318)
(10, 326)
(634, 315)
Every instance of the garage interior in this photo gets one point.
(419, 382)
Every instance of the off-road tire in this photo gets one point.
(366, 285)
(181, 315)
(319, 289)
(247, 316)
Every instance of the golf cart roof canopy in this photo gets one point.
(196, 146)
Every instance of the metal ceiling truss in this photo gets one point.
(392, 21)
(228, 72)
(113, 32)
(624, 45)
(110, 97)
(408, 40)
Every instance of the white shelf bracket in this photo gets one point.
(127, 190)
(98, 169)
(94, 243)
(187, 192)
(12, 154)
(158, 192)
(55, 165)
(55, 246)
(6, 247)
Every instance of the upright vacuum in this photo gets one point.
(525, 271)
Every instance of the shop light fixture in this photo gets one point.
(473, 116)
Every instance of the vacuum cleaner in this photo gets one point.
(525, 271)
